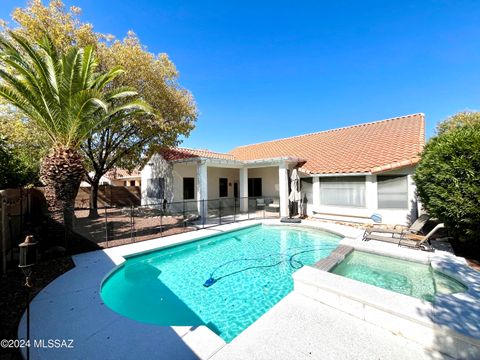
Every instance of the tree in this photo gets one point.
(64, 96)
(10, 166)
(464, 118)
(25, 142)
(129, 143)
(448, 180)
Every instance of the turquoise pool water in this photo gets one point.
(404, 277)
(251, 271)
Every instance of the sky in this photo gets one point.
(263, 70)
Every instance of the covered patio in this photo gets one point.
(213, 184)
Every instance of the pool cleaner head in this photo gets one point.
(210, 281)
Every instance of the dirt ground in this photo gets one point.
(116, 227)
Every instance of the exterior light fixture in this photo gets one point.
(27, 259)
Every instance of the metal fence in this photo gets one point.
(122, 225)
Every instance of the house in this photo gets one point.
(118, 177)
(356, 173)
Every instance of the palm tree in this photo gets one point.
(64, 96)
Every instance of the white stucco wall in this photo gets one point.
(389, 216)
(269, 177)
(174, 174)
(213, 176)
(181, 171)
(157, 167)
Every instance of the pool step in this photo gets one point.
(334, 258)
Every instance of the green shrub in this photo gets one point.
(14, 170)
(448, 180)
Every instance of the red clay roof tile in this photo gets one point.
(371, 147)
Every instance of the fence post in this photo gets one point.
(219, 212)
(10, 234)
(131, 224)
(184, 222)
(106, 225)
(161, 222)
(204, 213)
(248, 208)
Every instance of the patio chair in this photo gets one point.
(274, 206)
(260, 204)
(415, 228)
(409, 240)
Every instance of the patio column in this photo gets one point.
(371, 193)
(202, 193)
(316, 193)
(414, 206)
(243, 190)
(283, 188)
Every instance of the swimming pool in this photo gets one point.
(405, 277)
(225, 282)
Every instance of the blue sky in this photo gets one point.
(261, 70)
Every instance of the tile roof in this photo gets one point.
(171, 154)
(372, 147)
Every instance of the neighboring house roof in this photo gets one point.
(171, 154)
(366, 148)
(119, 173)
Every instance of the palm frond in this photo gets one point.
(61, 93)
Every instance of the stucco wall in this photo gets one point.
(389, 216)
(269, 177)
(157, 167)
(181, 171)
(214, 174)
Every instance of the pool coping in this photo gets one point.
(412, 318)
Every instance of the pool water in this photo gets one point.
(405, 277)
(248, 271)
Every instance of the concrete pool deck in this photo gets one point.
(301, 328)
(71, 308)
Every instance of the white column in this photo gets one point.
(414, 206)
(316, 193)
(243, 190)
(283, 189)
(202, 193)
(371, 195)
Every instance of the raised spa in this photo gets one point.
(405, 277)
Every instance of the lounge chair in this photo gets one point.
(410, 240)
(415, 228)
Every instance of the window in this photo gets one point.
(392, 192)
(223, 187)
(156, 188)
(188, 188)
(343, 191)
(132, 182)
(255, 187)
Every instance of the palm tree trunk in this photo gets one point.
(61, 172)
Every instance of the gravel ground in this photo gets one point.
(13, 296)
